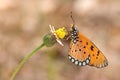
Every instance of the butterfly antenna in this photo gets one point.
(72, 19)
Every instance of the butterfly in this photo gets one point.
(84, 52)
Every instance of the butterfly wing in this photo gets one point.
(84, 52)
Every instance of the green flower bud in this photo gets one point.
(48, 40)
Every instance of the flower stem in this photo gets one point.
(24, 60)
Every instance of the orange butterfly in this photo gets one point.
(84, 52)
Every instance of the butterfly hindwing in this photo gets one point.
(77, 51)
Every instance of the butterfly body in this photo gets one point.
(84, 52)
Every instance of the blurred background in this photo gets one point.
(23, 23)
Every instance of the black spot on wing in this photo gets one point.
(86, 43)
(84, 47)
(84, 52)
(96, 57)
(79, 49)
(92, 47)
(98, 53)
(80, 40)
(75, 50)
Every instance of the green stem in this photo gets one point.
(24, 60)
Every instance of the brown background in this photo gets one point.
(23, 23)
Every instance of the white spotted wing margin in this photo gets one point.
(78, 62)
